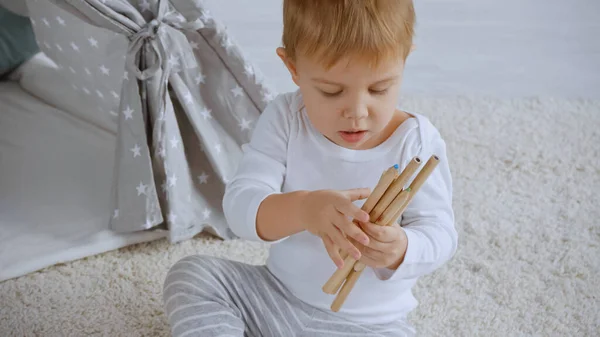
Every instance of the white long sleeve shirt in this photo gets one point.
(286, 153)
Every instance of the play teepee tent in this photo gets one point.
(165, 79)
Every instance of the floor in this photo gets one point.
(527, 265)
(509, 48)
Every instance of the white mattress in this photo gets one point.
(55, 173)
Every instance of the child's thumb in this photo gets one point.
(358, 193)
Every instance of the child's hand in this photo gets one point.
(329, 214)
(386, 248)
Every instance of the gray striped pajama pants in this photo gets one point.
(209, 297)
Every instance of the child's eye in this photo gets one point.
(331, 94)
(378, 92)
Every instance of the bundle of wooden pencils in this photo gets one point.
(385, 205)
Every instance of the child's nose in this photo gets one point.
(357, 110)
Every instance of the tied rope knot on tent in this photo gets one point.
(163, 37)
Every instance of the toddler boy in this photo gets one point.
(313, 157)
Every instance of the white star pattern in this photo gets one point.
(58, 47)
(99, 93)
(85, 90)
(248, 70)
(74, 46)
(237, 91)
(145, 6)
(60, 21)
(206, 114)
(46, 22)
(136, 151)
(203, 178)
(104, 70)
(128, 113)
(205, 15)
(267, 97)
(162, 152)
(206, 213)
(172, 180)
(226, 41)
(194, 45)
(93, 42)
(173, 61)
(164, 187)
(116, 213)
(115, 95)
(245, 124)
(174, 142)
(188, 98)
(141, 189)
(200, 79)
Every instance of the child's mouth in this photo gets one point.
(352, 136)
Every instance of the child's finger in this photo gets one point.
(380, 233)
(352, 229)
(339, 239)
(357, 193)
(369, 261)
(333, 251)
(349, 209)
(375, 250)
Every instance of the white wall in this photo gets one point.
(484, 47)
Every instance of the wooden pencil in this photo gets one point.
(393, 196)
(387, 178)
(395, 188)
(391, 214)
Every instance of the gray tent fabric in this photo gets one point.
(188, 102)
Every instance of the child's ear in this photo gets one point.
(288, 63)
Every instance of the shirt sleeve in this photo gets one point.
(260, 172)
(428, 221)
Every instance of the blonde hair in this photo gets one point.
(373, 30)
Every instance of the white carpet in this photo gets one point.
(526, 176)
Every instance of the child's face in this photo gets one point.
(351, 104)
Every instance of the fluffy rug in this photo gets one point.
(526, 177)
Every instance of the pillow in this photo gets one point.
(15, 6)
(17, 41)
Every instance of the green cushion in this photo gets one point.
(17, 41)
